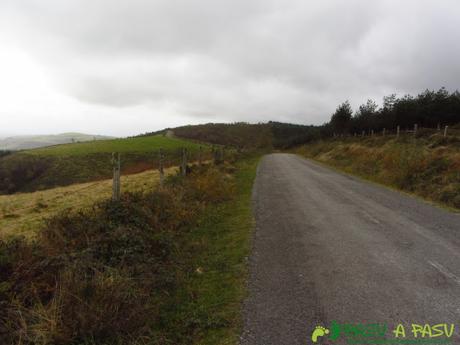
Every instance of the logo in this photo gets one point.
(319, 331)
(380, 333)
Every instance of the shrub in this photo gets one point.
(100, 276)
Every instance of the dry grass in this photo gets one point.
(111, 273)
(428, 167)
(24, 213)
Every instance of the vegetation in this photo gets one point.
(428, 166)
(160, 267)
(25, 213)
(82, 162)
(145, 144)
(4, 153)
(246, 136)
(240, 135)
(428, 109)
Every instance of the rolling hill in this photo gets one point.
(25, 142)
(244, 135)
(61, 165)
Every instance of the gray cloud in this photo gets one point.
(241, 59)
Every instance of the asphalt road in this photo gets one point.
(328, 246)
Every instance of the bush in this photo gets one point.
(100, 276)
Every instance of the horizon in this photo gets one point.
(122, 70)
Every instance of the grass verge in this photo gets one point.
(207, 309)
(428, 167)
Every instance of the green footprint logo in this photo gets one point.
(319, 331)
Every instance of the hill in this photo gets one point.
(24, 142)
(66, 164)
(244, 136)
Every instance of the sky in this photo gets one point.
(120, 67)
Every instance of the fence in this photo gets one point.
(445, 131)
(181, 160)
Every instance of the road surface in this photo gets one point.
(330, 247)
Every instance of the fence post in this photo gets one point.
(372, 132)
(397, 132)
(363, 133)
(383, 132)
(116, 176)
(183, 167)
(415, 130)
(439, 126)
(445, 131)
(215, 155)
(161, 166)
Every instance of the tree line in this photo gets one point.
(428, 109)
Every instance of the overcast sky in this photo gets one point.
(131, 66)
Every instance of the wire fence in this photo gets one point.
(416, 131)
(180, 158)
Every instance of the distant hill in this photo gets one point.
(244, 135)
(60, 165)
(24, 142)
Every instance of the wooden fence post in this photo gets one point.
(439, 127)
(215, 155)
(372, 132)
(116, 165)
(383, 132)
(415, 130)
(184, 162)
(363, 133)
(161, 166)
(397, 131)
(445, 131)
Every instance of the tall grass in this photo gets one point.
(428, 166)
(103, 276)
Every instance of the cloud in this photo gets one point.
(237, 60)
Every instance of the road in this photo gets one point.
(331, 247)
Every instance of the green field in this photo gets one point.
(66, 164)
(129, 145)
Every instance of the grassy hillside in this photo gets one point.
(164, 266)
(240, 135)
(148, 144)
(428, 166)
(82, 162)
(245, 136)
(24, 213)
(24, 142)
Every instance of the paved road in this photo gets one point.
(330, 247)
